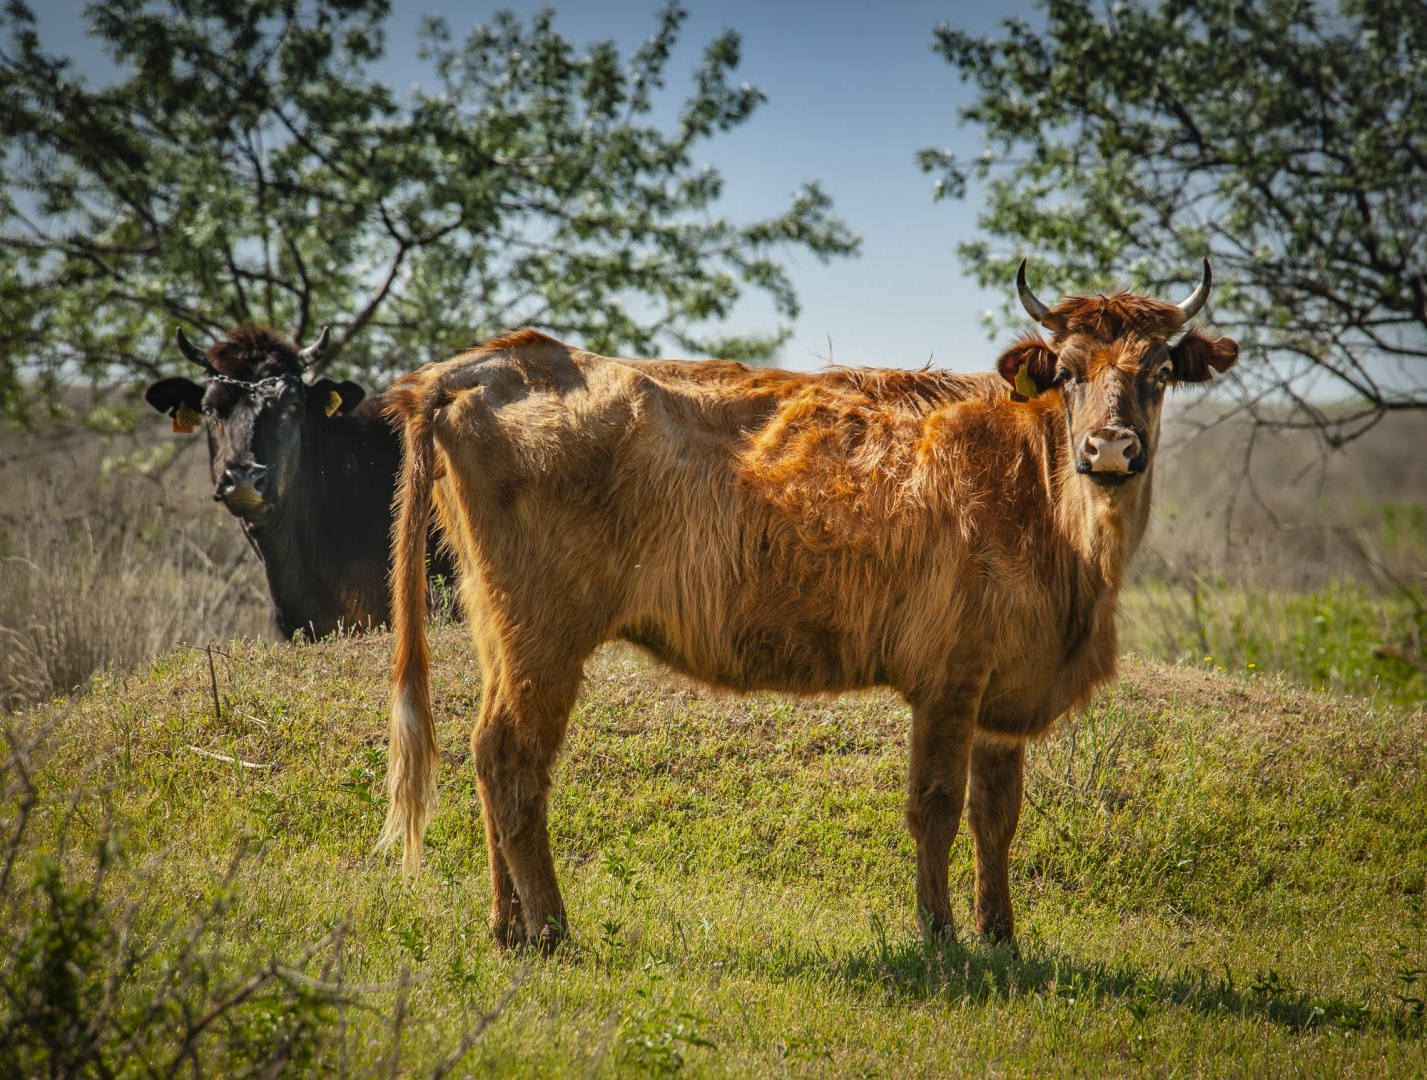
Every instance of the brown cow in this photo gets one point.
(763, 529)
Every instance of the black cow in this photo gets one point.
(307, 468)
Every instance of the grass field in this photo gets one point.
(1215, 874)
(112, 551)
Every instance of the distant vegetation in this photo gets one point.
(1340, 638)
(1268, 554)
(111, 552)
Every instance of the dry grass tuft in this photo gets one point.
(109, 556)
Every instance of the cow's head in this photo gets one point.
(1112, 357)
(254, 403)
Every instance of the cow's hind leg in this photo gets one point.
(936, 787)
(517, 738)
(505, 921)
(994, 808)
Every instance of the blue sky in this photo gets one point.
(854, 90)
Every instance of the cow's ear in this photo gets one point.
(1029, 364)
(334, 398)
(1198, 356)
(352, 396)
(180, 398)
(167, 395)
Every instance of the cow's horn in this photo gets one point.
(1197, 299)
(313, 351)
(1034, 308)
(192, 351)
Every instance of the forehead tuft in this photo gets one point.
(1119, 315)
(255, 352)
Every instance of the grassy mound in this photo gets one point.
(1212, 874)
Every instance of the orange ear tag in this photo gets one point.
(1025, 385)
(184, 419)
(334, 402)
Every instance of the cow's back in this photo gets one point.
(753, 527)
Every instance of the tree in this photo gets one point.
(243, 165)
(1286, 141)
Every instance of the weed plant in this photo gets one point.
(105, 981)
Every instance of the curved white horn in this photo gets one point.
(313, 351)
(192, 351)
(1190, 308)
(1034, 308)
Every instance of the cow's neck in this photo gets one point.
(297, 563)
(1099, 532)
(296, 576)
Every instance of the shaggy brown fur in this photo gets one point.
(811, 533)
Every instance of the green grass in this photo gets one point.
(1342, 637)
(1214, 874)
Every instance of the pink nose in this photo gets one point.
(1111, 450)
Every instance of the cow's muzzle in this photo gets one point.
(242, 490)
(1111, 456)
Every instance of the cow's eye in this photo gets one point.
(1162, 375)
(1063, 375)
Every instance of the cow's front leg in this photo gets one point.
(994, 808)
(936, 786)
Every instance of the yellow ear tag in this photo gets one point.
(1025, 385)
(334, 402)
(184, 419)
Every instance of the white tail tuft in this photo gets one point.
(410, 777)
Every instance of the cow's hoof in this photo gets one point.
(551, 938)
(508, 937)
(509, 933)
(550, 934)
(937, 929)
(1003, 941)
(998, 933)
(514, 934)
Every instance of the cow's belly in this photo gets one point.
(1022, 713)
(804, 658)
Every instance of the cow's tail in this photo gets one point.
(412, 753)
